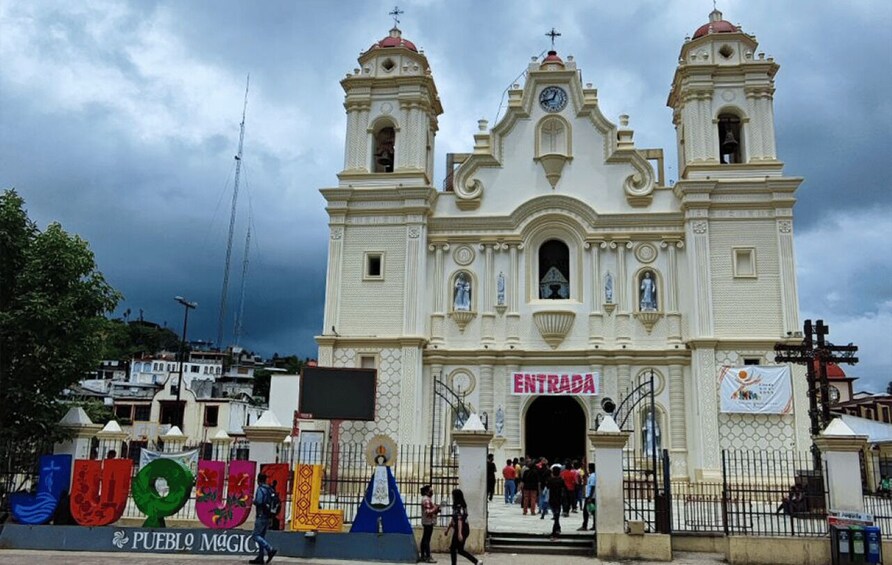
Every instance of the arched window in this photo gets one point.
(730, 139)
(554, 270)
(384, 149)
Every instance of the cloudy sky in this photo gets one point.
(120, 120)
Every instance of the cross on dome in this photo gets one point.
(396, 15)
(552, 34)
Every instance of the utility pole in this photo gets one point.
(815, 352)
(188, 306)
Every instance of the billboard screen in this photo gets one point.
(328, 393)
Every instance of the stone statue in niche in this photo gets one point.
(608, 289)
(462, 295)
(500, 289)
(500, 421)
(648, 293)
(651, 439)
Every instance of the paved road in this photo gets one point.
(19, 557)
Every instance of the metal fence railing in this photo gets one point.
(348, 472)
(697, 507)
(644, 491)
(773, 493)
(19, 469)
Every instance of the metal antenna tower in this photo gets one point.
(238, 170)
(237, 331)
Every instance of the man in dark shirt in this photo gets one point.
(490, 476)
(556, 490)
(530, 488)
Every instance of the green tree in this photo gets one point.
(52, 306)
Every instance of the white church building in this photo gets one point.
(556, 266)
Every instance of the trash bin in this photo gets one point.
(840, 546)
(874, 542)
(859, 553)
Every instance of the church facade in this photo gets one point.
(556, 267)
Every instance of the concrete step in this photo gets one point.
(576, 543)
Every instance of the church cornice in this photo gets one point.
(371, 341)
(557, 358)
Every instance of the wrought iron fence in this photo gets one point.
(773, 493)
(877, 483)
(19, 469)
(697, 507)
(348, 472)
(646, 496)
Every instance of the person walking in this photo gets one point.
(589, 505)
(544, 472)
(570, 477)
(490, 476)
(509, 474)
(262, 518)
(530, 484)
(460, 528)
(429, 512)
(518, 469)
(556, 489)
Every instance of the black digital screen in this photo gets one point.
(337, 394)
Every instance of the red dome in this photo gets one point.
(395, 39)
(552, 58)
(834, 371)
(716, 25)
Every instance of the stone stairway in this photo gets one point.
(569, 543)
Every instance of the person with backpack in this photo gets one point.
(460, 529)
(264, 499)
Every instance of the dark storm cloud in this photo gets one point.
(121, 120)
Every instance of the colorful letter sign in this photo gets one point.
(555, 384)
(150, 502)
(100, 490)
(305, 513)
(219, 511)
(38, 508)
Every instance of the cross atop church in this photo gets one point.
(552, 34)
(396, 15)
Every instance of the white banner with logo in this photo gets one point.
(754, 389)
(555, 384)
(188, 459)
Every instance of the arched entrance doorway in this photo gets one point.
(555, 428)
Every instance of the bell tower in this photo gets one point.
(392, 108)
(722, 101)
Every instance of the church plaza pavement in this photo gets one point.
(18, 557)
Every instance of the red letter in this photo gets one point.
(565, 384)
(89, 506)
(518, 383)
(589, 385)
(577, 384)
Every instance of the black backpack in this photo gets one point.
(275, 503)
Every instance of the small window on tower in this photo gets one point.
(744, 263)
(730, 139)
(374, 266)
(751, 360)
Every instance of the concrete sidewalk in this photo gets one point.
(20, 557)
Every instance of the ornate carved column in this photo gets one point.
(439, 314)
(596, 317)
(752, 132)
(624, 381)
(678, 421)
(355, 151)
(698, 260)
(486, 392)
(488, 316)
(414, 277)
(333, 280)
(706, 399)
(789, 296)
(512, 319)
(622, 288)
(673, 317)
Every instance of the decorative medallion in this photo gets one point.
(337, 233)
(728, 95)
(785, 226)
(463, 255)
(646, 252)
(700, 227)
(462, 382)
(386, 108)
(414, 232)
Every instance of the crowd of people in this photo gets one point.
(541, 488)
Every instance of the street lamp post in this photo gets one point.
(187, 306)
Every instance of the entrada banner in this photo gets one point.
(754, 389)
(555, 384)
